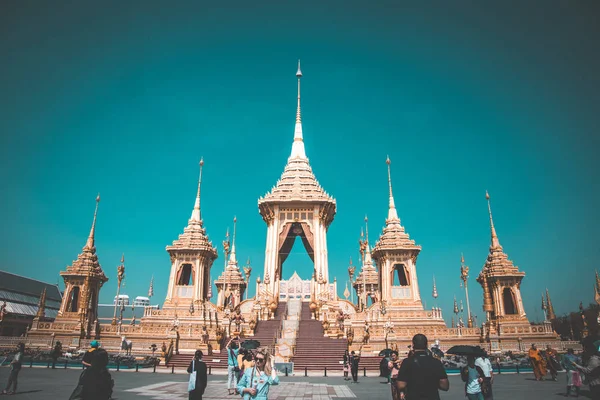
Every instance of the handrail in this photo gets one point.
(169, 354)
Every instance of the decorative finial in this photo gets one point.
(196, 214)
(298, 145)
(151, 288)
(392, 213)
(435, 292)
(367, 230)
(298, 113)
(455, 306)
(122, 258)
(495, 241)
(549, 306)
(232, 258)
(91, 238)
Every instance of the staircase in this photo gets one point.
(313, 350)
(265, 332)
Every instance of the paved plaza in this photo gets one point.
(42, 383)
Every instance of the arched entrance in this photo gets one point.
(287, 238)
(509, 302)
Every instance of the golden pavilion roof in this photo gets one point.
(87, 261)
(194, 237)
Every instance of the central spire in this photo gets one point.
(298, 145)
(196, 216)
(392, 213)
(495, 241)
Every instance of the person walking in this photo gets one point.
(257, 380)
(537, 363)
(346, 365)
(56, 353)
(233, 368)
(89, 355)
(474, 379)
(96, 380)
(484, 363)
(569, 362)
(198, 366)
(354, 360)
(15, 368)
(421, 375)
(394, 367)
(591, 370)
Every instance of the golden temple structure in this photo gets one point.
(389, 308)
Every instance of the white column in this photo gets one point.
(416, 292)
(198, 280)
(172, 282)
(325, 255)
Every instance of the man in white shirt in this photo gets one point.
(486, 366)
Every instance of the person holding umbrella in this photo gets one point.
(474, 379)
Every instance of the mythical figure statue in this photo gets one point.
(126, 345)
(175, 325)
(341, 317)
(205, 335)
(237, 319)
(366, 334)
(3, 311)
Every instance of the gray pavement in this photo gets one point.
(42, 383)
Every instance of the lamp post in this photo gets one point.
(464, 276)
(120, 276)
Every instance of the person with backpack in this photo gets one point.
(200, 380)
(474, 379)
(15, 368)
(233, 368)
(591, 355)
(421, 375)
(96, 382)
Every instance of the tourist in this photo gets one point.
(537, 363)
(421, 376)
(245, 361)
(346, 366)
(15, 368)
(56, 352)
(257, 380)
(354, 360)
(552, 362)
(233, 368)
(474, 379)
(199, 367)
(484, 363)
(591, 370)
(569, 361)
(394, 366)
(87, 357)
(96, 380)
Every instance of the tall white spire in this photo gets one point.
(196, 216)
(392, 213)
(232, 259)
(298, 145)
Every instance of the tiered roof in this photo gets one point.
(87, 263)
(194, 237)
(298, 182)
(393, 237)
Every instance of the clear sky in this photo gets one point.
(123, 98)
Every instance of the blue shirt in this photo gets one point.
(260, 381)
(232, 357)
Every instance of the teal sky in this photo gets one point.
(123, 98)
